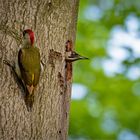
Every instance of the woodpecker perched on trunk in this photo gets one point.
(29, 66)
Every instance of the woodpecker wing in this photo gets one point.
(29, 64)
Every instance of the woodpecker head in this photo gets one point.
(74, 57)
(28, 36)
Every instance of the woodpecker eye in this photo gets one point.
(74, 54)
(24, 32)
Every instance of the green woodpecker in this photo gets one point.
(29, 65)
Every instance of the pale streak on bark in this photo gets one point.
(54, 22)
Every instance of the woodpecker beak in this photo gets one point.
(74, 57)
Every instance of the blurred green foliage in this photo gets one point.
(110, 110)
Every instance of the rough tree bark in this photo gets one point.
(54, 22)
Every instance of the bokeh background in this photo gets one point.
(106, 89)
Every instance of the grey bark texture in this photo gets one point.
(54, 22)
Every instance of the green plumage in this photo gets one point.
(29, 62)
(30, 68)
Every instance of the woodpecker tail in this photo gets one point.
(29, 99)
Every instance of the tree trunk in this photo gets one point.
(54, 22)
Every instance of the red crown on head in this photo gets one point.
(31, 34)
